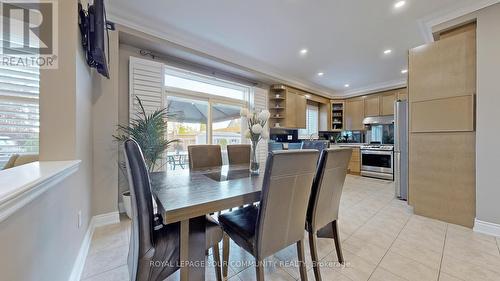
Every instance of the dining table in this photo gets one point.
(187, 196)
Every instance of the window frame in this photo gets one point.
(309, 134)
(209, 98)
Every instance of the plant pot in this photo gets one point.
(127, 204)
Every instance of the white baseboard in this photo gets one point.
(487, 227)
(105, 219)
(96, 221)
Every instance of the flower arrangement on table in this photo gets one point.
(256, 121)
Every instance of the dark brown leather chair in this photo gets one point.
(204, 156)
(323, 211)
(279, 220)
(150, 241)
(239, 154)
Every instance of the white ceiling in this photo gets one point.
(345, 38)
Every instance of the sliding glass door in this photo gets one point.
(200, 118)
(189, 125)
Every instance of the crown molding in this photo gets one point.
(373, 88)
(212, 51)
(426, 24)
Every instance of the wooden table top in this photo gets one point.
(182, 195)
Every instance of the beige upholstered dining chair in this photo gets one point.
(239, 154)
(204, 156)
(18, 160)
(323, 210)
(279, 220)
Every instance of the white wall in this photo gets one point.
(105, 149)
(488, 117)
(40, 242)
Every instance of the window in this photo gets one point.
(207, 111)
(312, 122)
(182, 79)
(19, 113)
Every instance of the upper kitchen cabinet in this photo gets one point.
(288, 107)
(296, 104)
(354, 114)
(402, 94)
(372, 106)
(387, 104)
(382, 103)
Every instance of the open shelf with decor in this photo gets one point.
(337, 121)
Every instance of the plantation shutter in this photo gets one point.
(19, 111)
(260, 98)
(146, 80)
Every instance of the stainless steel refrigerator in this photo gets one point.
(401, 149)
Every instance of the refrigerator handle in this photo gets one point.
(396, 126)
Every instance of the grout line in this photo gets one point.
(442, 253)
(102, 272)
(389, 248)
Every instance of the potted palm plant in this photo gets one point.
(149, 131)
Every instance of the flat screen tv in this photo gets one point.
(95, 38)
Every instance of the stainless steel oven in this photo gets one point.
(377, 162)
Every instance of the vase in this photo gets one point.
(127, 204)
(254, 163)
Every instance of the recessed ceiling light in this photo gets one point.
(399, 4)
(320, 74)
(303, 51)
(307, 96)
(388, 51)
(404, 71)
(347, 85)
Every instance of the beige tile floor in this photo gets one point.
(382, 241)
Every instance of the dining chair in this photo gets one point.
(323, 210)
(204, 156)
(294, 145)
(239, 154)
(279, 220)
(151, 242)
(315, 144)
(18, 160)
(274, 146)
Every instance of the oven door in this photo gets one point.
(377, 161)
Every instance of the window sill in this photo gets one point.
(21, 185)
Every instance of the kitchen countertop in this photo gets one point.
(347, 144)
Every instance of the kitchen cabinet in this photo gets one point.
(288, 107)
(402, 94)
(355, 162)
(387, 107)
(372, 106)
(296, 105)
(354, 114)
(337, 113)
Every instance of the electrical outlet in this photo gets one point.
(79, 219)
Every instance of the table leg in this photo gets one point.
(193, 249)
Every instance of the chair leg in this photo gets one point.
(259, 269)
(302, 260)
(314, 256)
(225, 255)
(336, 238)
(218, 266)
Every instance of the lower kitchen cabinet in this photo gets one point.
(355, 162)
